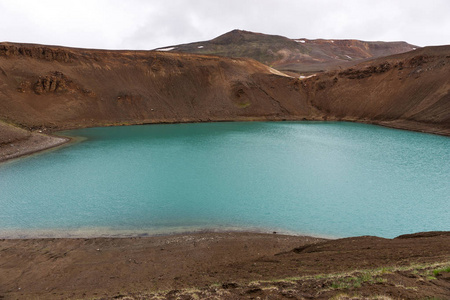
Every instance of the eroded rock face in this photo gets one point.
(53, 83)
(366, 72)
(56, 82)
(40, 52)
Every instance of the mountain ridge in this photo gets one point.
(295, 55)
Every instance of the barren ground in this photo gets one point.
(227, 266)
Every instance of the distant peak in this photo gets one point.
(239, 36)
(239, 31)
(232, 36)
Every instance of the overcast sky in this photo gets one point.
(148, 24)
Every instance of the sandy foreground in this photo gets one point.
(229, 265)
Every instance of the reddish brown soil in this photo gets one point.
(226, 265)
(410, 90)
(56, 88)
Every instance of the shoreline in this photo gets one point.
(35, 144)
(40, 142)
(100, 232)
(414, 127)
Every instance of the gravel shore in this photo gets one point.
(16, 142)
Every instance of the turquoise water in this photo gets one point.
(319, 178)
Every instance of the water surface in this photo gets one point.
(328, 179)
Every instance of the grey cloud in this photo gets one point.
(148, 24)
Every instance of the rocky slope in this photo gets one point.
(295, 55)
(410, 90)
(54, 87)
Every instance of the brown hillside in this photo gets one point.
(398, 91)
(55, 87)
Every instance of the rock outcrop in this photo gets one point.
(37, 51)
